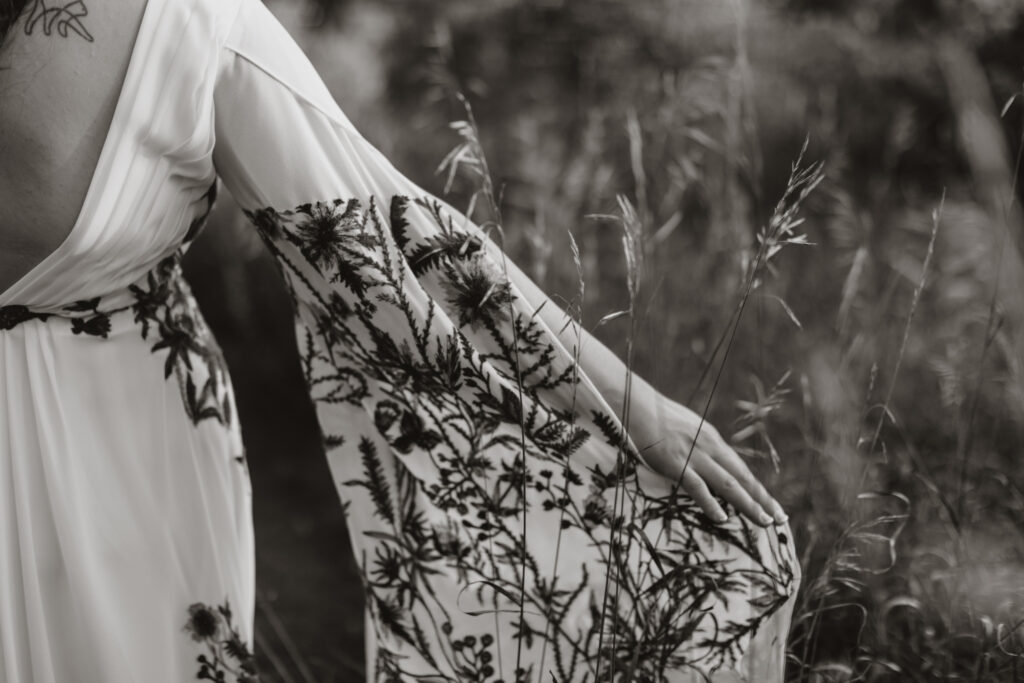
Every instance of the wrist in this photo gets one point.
(647, 408)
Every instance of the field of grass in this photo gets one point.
(874, 376)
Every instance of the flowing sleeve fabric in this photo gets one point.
(504, 527)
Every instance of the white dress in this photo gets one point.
(484, 516)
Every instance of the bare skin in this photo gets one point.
(61, 70)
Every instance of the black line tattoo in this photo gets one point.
(67, 17)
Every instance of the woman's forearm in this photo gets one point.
(674, 441)
(611, 377)
(604, 368)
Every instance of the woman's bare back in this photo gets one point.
(60, 75)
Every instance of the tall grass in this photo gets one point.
(864, 612)
(781, 230)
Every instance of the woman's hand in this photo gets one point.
(663, 429)
(709, 465)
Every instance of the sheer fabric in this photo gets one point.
(498, 514)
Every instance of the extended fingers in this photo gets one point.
(731, 462)
(687, 478)
(701, 495)
(709, 465)
(728, 487)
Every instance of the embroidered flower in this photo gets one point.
(477, 291)
(322, 236)
(385, 415)
(227, 652)
(95, 326)
(414, 433)
(12, 316)
(447, 539)
(203, 622)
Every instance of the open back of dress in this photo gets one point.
(505, 527)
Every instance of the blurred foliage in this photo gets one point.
(897, 412)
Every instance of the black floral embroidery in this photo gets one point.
(333, 239)
(12, 316)
(477, 292)
(164, 308)
(94, 322)
(166, 313)
(226, 653)
(468, 409)
(203, 622)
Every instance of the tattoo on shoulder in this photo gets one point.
(66, 17)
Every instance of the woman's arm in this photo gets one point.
(663, 430)
(288, 153)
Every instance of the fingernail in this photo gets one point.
(764, 518)
(779, 514)
(720, 517)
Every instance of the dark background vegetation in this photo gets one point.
(896, 417)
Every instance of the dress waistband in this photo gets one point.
(160, 289)
(146, 296)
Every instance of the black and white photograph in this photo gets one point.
(511, 341)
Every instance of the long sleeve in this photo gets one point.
(501, 520)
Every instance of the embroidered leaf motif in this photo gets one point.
(399, 224)
(199, 221)
(376, 481)
(440, 249)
